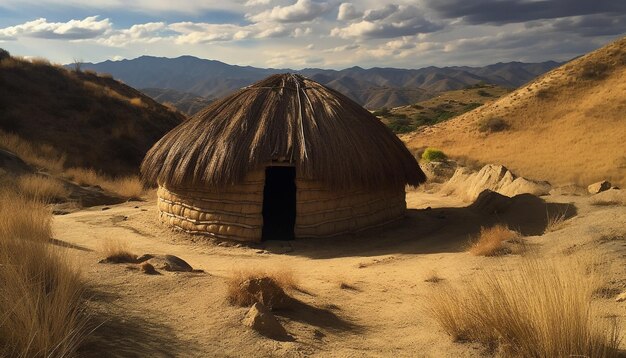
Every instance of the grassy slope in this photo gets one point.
(566, 126)
(97, 121)
(443, 107)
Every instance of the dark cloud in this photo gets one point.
(512, 11)
(592, 25)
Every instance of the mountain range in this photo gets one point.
(373, 88)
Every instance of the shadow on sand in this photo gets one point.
(124, 334)
(315, 316)
(440, 230)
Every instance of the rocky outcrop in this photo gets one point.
(468, 184)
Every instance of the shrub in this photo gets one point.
(42, 188)
(594, 70)
(539, 309)
(483, 93)
(470, 106)
(41, 301)
(433, 155)
(491, 241)
(4, 54)
(495, 124)
(382, 112)
(273, 285)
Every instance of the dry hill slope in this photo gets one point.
(96, 121)
(566, 126)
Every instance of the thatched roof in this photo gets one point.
(286, 117)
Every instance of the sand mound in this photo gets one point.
(260, 290)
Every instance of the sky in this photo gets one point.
(312, 33)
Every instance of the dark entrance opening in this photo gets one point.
(279, 203)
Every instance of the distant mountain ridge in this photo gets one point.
(373, 88)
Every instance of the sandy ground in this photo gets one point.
(384, 314)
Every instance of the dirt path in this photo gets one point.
(383, 313)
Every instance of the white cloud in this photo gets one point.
(89, 27)
(256, 2)
(302, 10)
(388, 22)
(299, 32)
(145, 33)
(347, 11)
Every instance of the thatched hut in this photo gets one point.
(285, 157)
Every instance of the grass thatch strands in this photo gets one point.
(324, 134)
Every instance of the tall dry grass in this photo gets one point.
(492, 241)
(540, 309)
(127, 187)
(41, 156)
(40, 289)
(41, 188)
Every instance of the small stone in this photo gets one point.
(260, 319)
(148, 269)
(598, 187)
(621, 297)
(105, 208)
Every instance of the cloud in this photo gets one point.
(256, 2)
(347, 11)
(388, 22)
(302, 10)
(146, 33)
(512, 11)
(379, 14)
(90, 27)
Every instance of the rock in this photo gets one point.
(522, 185)
(260, 319)
(598, 187)
(166, 262)
(468, 184)
(148, 269)
(439, 172)
(621, 297)
(491, 202)
(569, 189)
(266, 291)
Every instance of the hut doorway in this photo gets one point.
(279, 203)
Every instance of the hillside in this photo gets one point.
(95, 120)
(373, 88)
(566, 126)
(444, 106)
(184, 102)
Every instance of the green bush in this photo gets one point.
(381, 112)
(493, 125)
(433, 155)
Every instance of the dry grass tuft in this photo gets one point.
(433, 277)
(555, 222)
(492, 241)
(128, 187)
(117, 252)
(279, 280)
(42, 188)
(541, 309)
(40, 305)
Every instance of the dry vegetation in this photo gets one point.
(128, 187)
(40, 305)
(41, 188)
(116, 251)
(493, 241)
(40, 156)
(555, 222)
(540, 309)
(285, 280)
